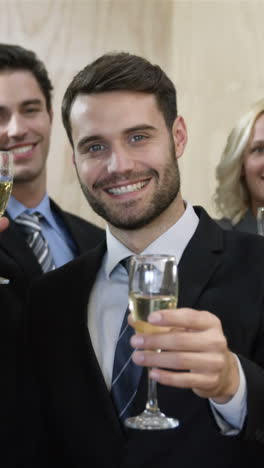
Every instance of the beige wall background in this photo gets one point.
(212, 50)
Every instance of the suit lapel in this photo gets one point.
(14, 244)
(73, 231)
(200, 259)
(91, 263)
(84, 234)
(86, 278)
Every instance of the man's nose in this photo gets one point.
(16, 126)
(120, 161)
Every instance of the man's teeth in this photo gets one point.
(22, 149)
(127, 188)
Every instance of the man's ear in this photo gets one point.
(179, 134)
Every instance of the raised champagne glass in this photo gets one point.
(6, 178)
(152, 286)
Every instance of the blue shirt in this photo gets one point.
(62, 247)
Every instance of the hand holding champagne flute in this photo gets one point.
(6, 178)
(152, 286)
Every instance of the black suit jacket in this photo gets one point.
(220, 271)
(20, 266)
(12, 296)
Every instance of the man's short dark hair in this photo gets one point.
(121, 71)
(14, 57)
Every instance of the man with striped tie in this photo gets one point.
(41, 236)
(121, 118)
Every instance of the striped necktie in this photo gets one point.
(30, 226)
(126, 374)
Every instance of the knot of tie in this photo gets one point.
(29, 222)
(31, 228)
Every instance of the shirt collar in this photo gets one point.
(15, 209)
(171, 242)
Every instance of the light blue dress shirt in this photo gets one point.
(60, 243)
(108, 303)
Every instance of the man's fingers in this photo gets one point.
(4, 222)
(175, 340)
(185, 318)
(196, 362)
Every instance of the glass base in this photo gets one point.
(149, 420)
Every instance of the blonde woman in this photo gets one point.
(240, 173)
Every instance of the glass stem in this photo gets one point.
(152, 402)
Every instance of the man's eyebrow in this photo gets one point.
(29, 102)
(139, 128)
(88, 139)
(25, 103)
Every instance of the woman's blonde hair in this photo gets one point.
(232, 197)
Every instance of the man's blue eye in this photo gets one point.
(95, 148)
(30, 110)
(137, 137)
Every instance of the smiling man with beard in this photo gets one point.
(165, 193)
(121, 118)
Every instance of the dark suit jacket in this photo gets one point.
(220, 271)
(12, 296)
(19, 264)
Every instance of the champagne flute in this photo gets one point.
(6, 178)
(260, 220)
(152, 286)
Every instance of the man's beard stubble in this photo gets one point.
(163, 197)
